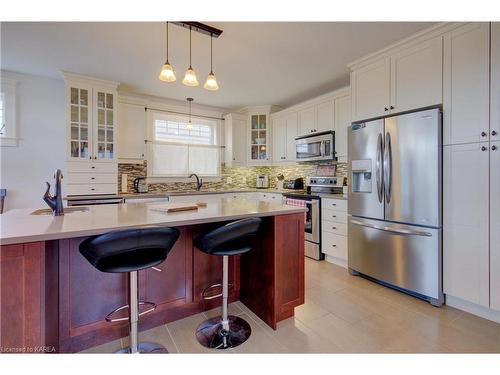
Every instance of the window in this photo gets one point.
(8, 133)
(177, 150)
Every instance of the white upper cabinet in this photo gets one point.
(465, 222)
(342, 122)
(284, 133)
(258, 132)
(132, 134)
(495, 225)
(291, 133)
(410, 78)
(307, 120)
(466, 84)
(279, 139)
(495, 82)
(325, 116)
(91, 118)
(235, 132)
(416, 76)
(370, 86)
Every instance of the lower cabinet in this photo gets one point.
(334, 230)
(466, 205)
(21, 271)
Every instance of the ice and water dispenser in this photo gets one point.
(361, 176)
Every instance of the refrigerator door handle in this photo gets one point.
(378, 169)
(387, 168)
(407, 232)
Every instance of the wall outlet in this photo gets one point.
(229, 180)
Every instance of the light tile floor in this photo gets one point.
(342, 314)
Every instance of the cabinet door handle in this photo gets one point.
(494, 133)
(392, 107)
(92, 178)
(334, 245)
(493, 148)
(483, 134)
(93, 167)
(334, 227)
(334, 215)
(386, 109)
(484, 148)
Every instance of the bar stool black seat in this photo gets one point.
(129, 251)
(234, 238)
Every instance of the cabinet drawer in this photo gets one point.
(334, 245)
(91, 178)
(334, 204)
(91, 167)
(334, 216)
(336, 228)
(90, 189)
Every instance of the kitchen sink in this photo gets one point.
(67, 210)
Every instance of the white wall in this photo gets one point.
(40, 120)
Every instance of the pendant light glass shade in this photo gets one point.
(189, 124)
(167, 73)
(211, 82)
(190, 78)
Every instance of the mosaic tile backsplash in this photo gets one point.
(239, 177)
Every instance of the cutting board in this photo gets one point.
(177, 207)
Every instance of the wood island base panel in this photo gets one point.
(53, 300)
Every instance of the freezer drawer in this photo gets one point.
(408, 257)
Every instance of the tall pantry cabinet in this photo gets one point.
(91, 128)
(471, 164)
(495, 169)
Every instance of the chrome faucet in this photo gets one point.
(55, 202)
(199, 181)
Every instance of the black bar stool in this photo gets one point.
(129, 251)
(231, 239)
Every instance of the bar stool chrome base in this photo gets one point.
(145, 348)
(211, 334)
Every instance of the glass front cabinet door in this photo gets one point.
(105, 125)
(259, 138)
(92, 122)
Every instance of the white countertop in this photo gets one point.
(18, 226)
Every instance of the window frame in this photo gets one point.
(151, 142)
(8, 88)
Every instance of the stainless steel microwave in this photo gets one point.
(315, 147)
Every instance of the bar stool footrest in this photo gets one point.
(208, 288)
(126, 307)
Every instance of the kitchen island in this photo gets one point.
(52, 299)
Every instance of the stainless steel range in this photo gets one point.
(311, 200)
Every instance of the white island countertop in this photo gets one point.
(19, 226)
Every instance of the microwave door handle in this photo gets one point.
(323, 148)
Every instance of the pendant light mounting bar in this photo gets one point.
(200, 27)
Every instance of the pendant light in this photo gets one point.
(190, 124)
(211, 82)
(190, 77)
(167, 72)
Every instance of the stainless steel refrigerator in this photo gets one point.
(395, 209)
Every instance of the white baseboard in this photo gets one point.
(472, 308)
(336, 261)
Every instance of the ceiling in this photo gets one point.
(256, 63)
